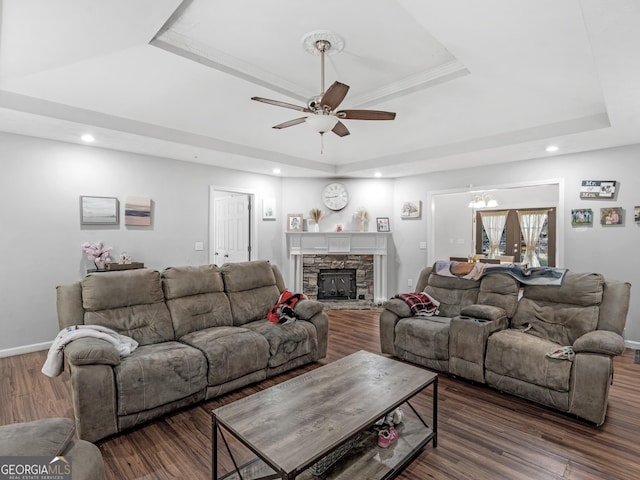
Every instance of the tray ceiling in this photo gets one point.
(472, 82)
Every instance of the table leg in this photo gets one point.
(214, 443)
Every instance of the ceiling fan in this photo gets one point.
(321, 110)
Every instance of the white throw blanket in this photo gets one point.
(55, 358)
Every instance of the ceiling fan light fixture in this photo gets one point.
(321, 123)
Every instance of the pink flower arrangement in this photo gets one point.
(97, 253)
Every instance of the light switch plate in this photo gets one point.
(199, 246)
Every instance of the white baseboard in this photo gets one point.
(36, 347)
(630, 344)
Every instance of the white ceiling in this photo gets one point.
(472, 82)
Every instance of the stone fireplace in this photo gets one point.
(321, 265)
(336, 284)
(325, 277)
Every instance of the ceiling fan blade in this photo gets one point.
(290, 123)
(365, 115)
(278, 103)
(340, 130)
(334, 95)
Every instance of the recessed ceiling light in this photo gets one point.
(87, 138)
(377, 174)
(276, 171)
(552, 148)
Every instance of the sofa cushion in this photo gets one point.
(518, 355)
(286, 341)
(146, 324)
(191, 280)
(47, 437)
(561, 314)
(102, 291)
(195, 298)
(453, 293)
(251, 288)
(131, 302)
(425, 337)
(242, 276)
(154, 375)
(500, 290)
(198, 312)
(558, 323)
(231, 352)
(580, 289)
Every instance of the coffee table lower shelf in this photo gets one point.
(365, 460)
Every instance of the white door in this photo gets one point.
(231, 228)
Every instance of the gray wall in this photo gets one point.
(608, 250)
(40, 234)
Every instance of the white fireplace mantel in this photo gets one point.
(340, 243)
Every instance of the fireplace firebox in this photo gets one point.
(337, 284)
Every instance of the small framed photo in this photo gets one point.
(294, 222)
(383, 224)
(611, 216)
(411, 209)
(268, 209)
(581, 216)
(98, 210)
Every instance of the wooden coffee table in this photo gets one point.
(293, 425)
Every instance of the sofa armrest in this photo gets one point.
(307, 309)
(46, 437)
(490, 313)
(313, 311)
(600, 341)
(91, 351)
(388, 322)
(399, 307)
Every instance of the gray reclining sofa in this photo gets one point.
(202, 332)
(515, 337)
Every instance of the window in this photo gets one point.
(512, 241)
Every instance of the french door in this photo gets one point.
(512, 241)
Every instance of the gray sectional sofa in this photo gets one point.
(515, 337)
(202, 332)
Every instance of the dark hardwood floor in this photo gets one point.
(483, 434)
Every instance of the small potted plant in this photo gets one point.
(98, 254)
(363, 217)
(316, 215)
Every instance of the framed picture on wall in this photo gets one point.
(611, 216)
(268, 209)
(581, 216)
(137, 211)
(98, 210)
(636, 214)
(383, 224)
(411, 209)
(294, 222)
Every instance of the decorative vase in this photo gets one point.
(316, 227)
(362, 225)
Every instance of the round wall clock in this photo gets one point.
(335, 196)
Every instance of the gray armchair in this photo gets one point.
(53, 437)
